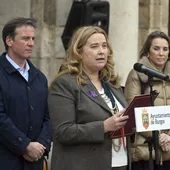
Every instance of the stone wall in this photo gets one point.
(124, 35)
(153, 15)
(52, 15)
(10, 9)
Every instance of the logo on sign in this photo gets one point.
(145, 118)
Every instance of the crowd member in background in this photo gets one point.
(25, 133)
(86, 103)
(155, 55)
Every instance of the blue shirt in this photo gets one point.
(23, 72)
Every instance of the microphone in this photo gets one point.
(150, 72)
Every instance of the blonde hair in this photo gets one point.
(73, 64)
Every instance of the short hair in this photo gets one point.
(156, 34)
(73, 63)
(10, 27)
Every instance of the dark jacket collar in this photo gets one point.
(4, 63)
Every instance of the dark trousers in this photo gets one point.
(120, 168)
(144, 165)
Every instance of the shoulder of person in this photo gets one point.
(167, 68)
(65, 81)
(64, 85)
(133, 74)
(41, 74)
(32, 66)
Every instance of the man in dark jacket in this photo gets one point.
(25, 131)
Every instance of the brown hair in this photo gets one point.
(146, 47)
(9, 29)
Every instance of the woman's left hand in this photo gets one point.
(166, 147)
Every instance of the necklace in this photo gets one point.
(116, 143)
(115, 109)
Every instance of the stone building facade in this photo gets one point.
(130, 23)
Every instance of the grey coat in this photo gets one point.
(78, 131)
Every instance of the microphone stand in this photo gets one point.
(152, 141)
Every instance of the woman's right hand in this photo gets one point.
(115, 122)
(164, 139)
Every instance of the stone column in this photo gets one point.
(49, 52)
(123, 35)
(153, 15)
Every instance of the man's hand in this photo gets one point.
(34, 151)
(28, 158)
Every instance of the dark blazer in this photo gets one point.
(24, 115)
(77, 116)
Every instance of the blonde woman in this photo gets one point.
(86, 104)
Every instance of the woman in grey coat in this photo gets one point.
(86, 104)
